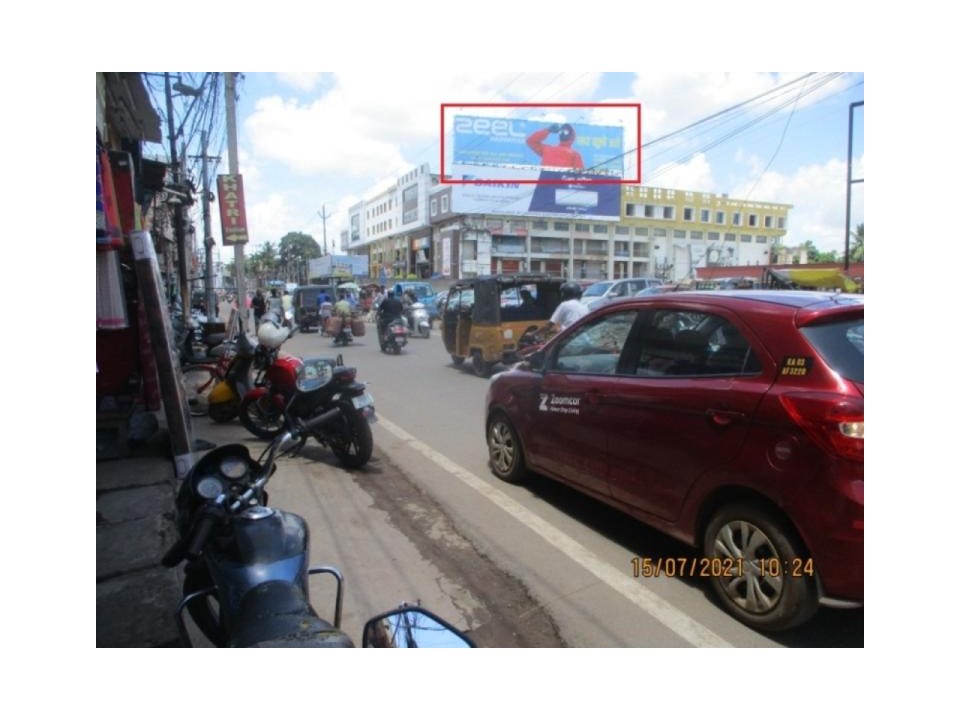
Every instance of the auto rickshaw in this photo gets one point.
(490, 319)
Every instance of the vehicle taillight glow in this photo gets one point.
(835, 422)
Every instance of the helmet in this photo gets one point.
(570, 291)
(567, 134)
(271, 334)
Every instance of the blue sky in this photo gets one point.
(326, 140)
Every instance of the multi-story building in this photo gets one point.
(661, 232)
(422, 228)
(393, 227)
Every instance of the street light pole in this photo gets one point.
(234, 169)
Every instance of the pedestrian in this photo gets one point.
(569, 310)
(259, 306)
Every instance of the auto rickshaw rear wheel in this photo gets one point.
(481, 367)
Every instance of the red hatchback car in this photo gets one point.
(730, 420)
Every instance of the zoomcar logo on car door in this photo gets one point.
(566, 404)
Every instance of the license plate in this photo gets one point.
(362, 401)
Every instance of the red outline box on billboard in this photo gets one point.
(486, 138)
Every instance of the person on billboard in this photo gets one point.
(562, 155)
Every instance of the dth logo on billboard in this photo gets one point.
(559, 404)
(486, 126)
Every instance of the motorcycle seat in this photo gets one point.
(278, 614)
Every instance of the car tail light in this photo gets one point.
(835, 422)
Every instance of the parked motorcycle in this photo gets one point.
(296, 391)
(247, 564)
(394, 337)
(418, 319)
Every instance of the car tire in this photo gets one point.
(457, 360)
(505, 450)
(767, 589)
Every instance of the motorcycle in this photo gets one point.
(418, 319)
(339, 328)
(295, 391)
(394, 337)
(247, 564)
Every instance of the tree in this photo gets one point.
(856, 251)
(296, 250)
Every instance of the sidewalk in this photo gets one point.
(136, 595)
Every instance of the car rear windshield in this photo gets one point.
(841, 345)
(597, 289)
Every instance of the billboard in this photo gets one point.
(515, 142)
(233, 213)
(555, 193)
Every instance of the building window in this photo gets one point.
(668, 212)
(660, 232)
(730, 237)
(768, 221)
(581, 227)
(445, 203)
(781, 223)
(688, 214)
(752, 220)
(648, 211)
(713, 236)
(641, 231)
(696, 235)
(746, 238)
(736, 219)
(600, 228)
(679, 234)
(761, 238)
(631, 210)
(721, 217)
(561, 226)
(705, 216)
(540, 225)
(433, 207)
(621, 230)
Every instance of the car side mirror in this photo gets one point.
(411, 627)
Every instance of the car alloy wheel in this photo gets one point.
(506, 455)
(767, 587)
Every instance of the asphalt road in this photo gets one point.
(562, 562)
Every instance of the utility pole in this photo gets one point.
(234, 169)
(177, 206)
(850, 181)
(208, 241)
(324, 217)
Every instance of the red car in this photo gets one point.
(730, 420)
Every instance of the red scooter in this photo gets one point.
(295, 391)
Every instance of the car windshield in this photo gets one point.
(841, 345)
(597, 289)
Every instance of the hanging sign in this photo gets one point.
(233, 215)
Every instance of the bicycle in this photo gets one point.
(200, 378)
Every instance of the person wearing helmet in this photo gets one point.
(561, 155)
(271, 332)
(569, 310)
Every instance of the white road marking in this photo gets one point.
(674, 619)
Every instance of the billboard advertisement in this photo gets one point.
(514, 142)
(233, 213)
(555, 193)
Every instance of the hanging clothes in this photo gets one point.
(109, 230)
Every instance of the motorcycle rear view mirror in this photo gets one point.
(411, 627)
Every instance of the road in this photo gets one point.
(534, 565)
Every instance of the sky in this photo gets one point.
(320, 142)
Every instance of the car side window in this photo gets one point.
(595, 348)
(691, 344)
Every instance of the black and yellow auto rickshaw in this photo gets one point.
(489, 319)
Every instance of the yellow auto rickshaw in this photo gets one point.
(490, 319)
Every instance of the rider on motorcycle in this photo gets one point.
(390, 309)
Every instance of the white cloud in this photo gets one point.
(818, 196)
(300, 81)
(695, 174)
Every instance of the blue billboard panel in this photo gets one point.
(556, 193)
(515, 142)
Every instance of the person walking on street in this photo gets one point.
(259, 306)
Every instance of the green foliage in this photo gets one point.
(856, 247)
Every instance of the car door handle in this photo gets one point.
(723, 418)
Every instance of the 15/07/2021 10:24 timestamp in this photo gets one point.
(720, 567)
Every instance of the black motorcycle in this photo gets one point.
(394, 337)
(248, 565)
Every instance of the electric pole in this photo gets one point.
(234, 169)
(324, 216)
(208, 241)
(178, 234)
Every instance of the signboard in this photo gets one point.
(233, 214)
(446, 256)
(537, 143)
(341, 266)
(562, 194)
